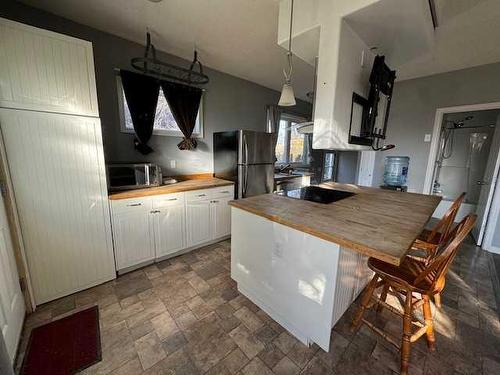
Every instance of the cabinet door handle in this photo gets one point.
(215, 201)
(155, 211)
(134, 204)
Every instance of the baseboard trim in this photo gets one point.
(169, 256)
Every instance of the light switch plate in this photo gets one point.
(427, 138)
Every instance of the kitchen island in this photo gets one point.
(304, 263)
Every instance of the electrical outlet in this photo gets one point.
(173, 164)
(427, 138)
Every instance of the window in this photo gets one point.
(328, 166)
(291, 146)
(164, 120)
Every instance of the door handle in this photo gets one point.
(482, 183)
(245, 147)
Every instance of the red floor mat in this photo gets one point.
(64, 346)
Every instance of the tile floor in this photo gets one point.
(185, 316)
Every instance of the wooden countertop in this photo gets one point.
(187, 185)
(378, 223)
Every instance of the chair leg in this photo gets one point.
(365, 300)
(383, 297)
(406, 341)
(437, 300)
(426, 309)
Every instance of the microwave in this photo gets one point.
(133, 176)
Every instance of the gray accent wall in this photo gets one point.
(414, 107)
(229, 102)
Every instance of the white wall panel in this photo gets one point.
(45, 71)
(57, 169)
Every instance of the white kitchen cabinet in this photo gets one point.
(133, 236)
(169, 229)
(46, 71)
(57, 172)
(149, 228)
(198, 217)
(221, 217)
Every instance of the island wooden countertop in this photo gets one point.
(378, 223)
(195, 184)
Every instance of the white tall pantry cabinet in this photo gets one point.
(52, 137)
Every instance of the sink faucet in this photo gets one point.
(286, 168)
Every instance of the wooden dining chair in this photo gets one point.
(429, 240)
(413, 282)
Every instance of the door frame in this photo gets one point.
(438, 122)
(429, 174)
(16, 233)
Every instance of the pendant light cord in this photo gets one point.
(288, 76)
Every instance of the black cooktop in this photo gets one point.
(316, 194)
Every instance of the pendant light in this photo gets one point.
(287, 97)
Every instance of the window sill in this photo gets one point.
(166, 133)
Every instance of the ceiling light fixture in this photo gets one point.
(287, 97)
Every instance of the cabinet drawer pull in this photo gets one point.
(201, 195)
(155, 211)
(225, 192)
(134, 204)
(172, 199)
(215, 201)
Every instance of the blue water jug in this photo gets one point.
(396, 170)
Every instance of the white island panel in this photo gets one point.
(293, 276)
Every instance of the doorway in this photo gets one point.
(465, 158)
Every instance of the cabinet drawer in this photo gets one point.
(132, 204)
(168, 200)
(198, 195)
(223, 192)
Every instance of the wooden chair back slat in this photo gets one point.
(443, 227)
(439, 264)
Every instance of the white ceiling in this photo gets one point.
(466, 36)
(237, 37)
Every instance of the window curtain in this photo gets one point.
(141, 93)
(184, 102)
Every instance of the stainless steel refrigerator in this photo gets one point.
(247, 158)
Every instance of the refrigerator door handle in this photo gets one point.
(245, 181)
(245, 147)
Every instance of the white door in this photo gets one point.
(366, 165)
(198, 226)
(133, 237)
(488, 186)
(56, 165)
(169, 229)
(221, 217)
(12, 306)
